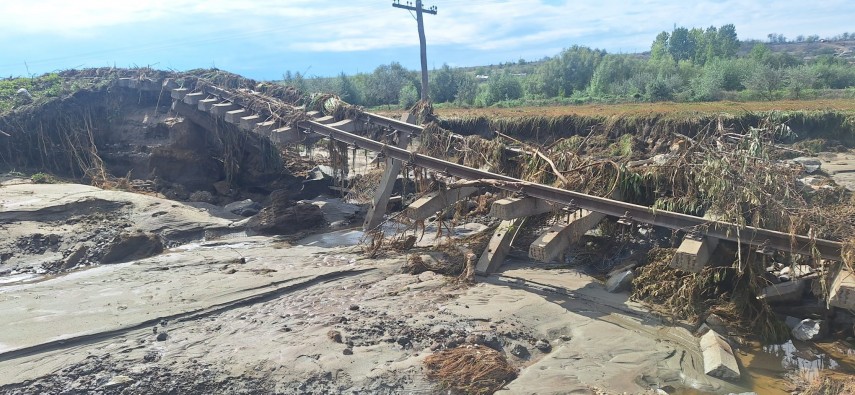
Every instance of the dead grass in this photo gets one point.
(822, 383)
(471, 369)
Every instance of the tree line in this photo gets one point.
(682, 65)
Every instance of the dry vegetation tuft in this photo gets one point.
(471, 369)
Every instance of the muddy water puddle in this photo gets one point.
(767, 366)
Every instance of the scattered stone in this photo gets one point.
(334, 336)
(151, 356)
(244, 208)
(117, 381)
(347, 351)
(811, 165)
(436, 346)
(162, 336)
(719, 360)
(353, 307)
(475, 339)
(620, 282)
(403, 340)
(809, 330)
(519, 351)
(543, 345)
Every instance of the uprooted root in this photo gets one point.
(471, 369)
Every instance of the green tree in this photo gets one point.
(800, 78)
(764, 80)
(467, 90)
(386, 83)
(681, 44)
(504, 87)
(347, 89)
(659, 49)
(443, 84)
(728, 41)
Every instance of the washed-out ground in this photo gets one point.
(259, 314)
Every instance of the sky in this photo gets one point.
(261, 39)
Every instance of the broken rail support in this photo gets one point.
(722, 230)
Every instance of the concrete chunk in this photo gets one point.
(234, 116)
(194, 98)
(842, 292)
(789, 291)
(433, 202)
(325, 120)
(179, 93)
(220, 109)
(719, 360)
(550, 245)
(265, 128)
(347, 125)
(511, 208)
(620, 282)
(249, 122)
(285, 136)
(693, 255)
(498, 247)
(206, 104)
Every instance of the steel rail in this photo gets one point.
(781, 241)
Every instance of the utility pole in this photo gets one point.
(420, 20)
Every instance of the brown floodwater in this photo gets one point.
(767, 366)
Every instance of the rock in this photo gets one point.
(810, 181)
(789, 291)
(317, 182)
(77, 254)
(347, 351)
(222, 188)
(719, 360)
(716, 323)
(435, 346)
(519, 351)
(809, 330)
(475, 339)
(353, 307)
(23, 96)
(334, 209)
(811, 165)
(162, 336)
(117, 381)
(543, 346)
(620, 282)
(245, 208)
(286, 217)
(334, 336)
(402, 340)
(129, 246)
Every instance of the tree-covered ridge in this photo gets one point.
(683, 65)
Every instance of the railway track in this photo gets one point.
(252, 113)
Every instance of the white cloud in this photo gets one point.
(520, 26)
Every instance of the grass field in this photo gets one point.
(665, 108)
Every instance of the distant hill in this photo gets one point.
(808, 50)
